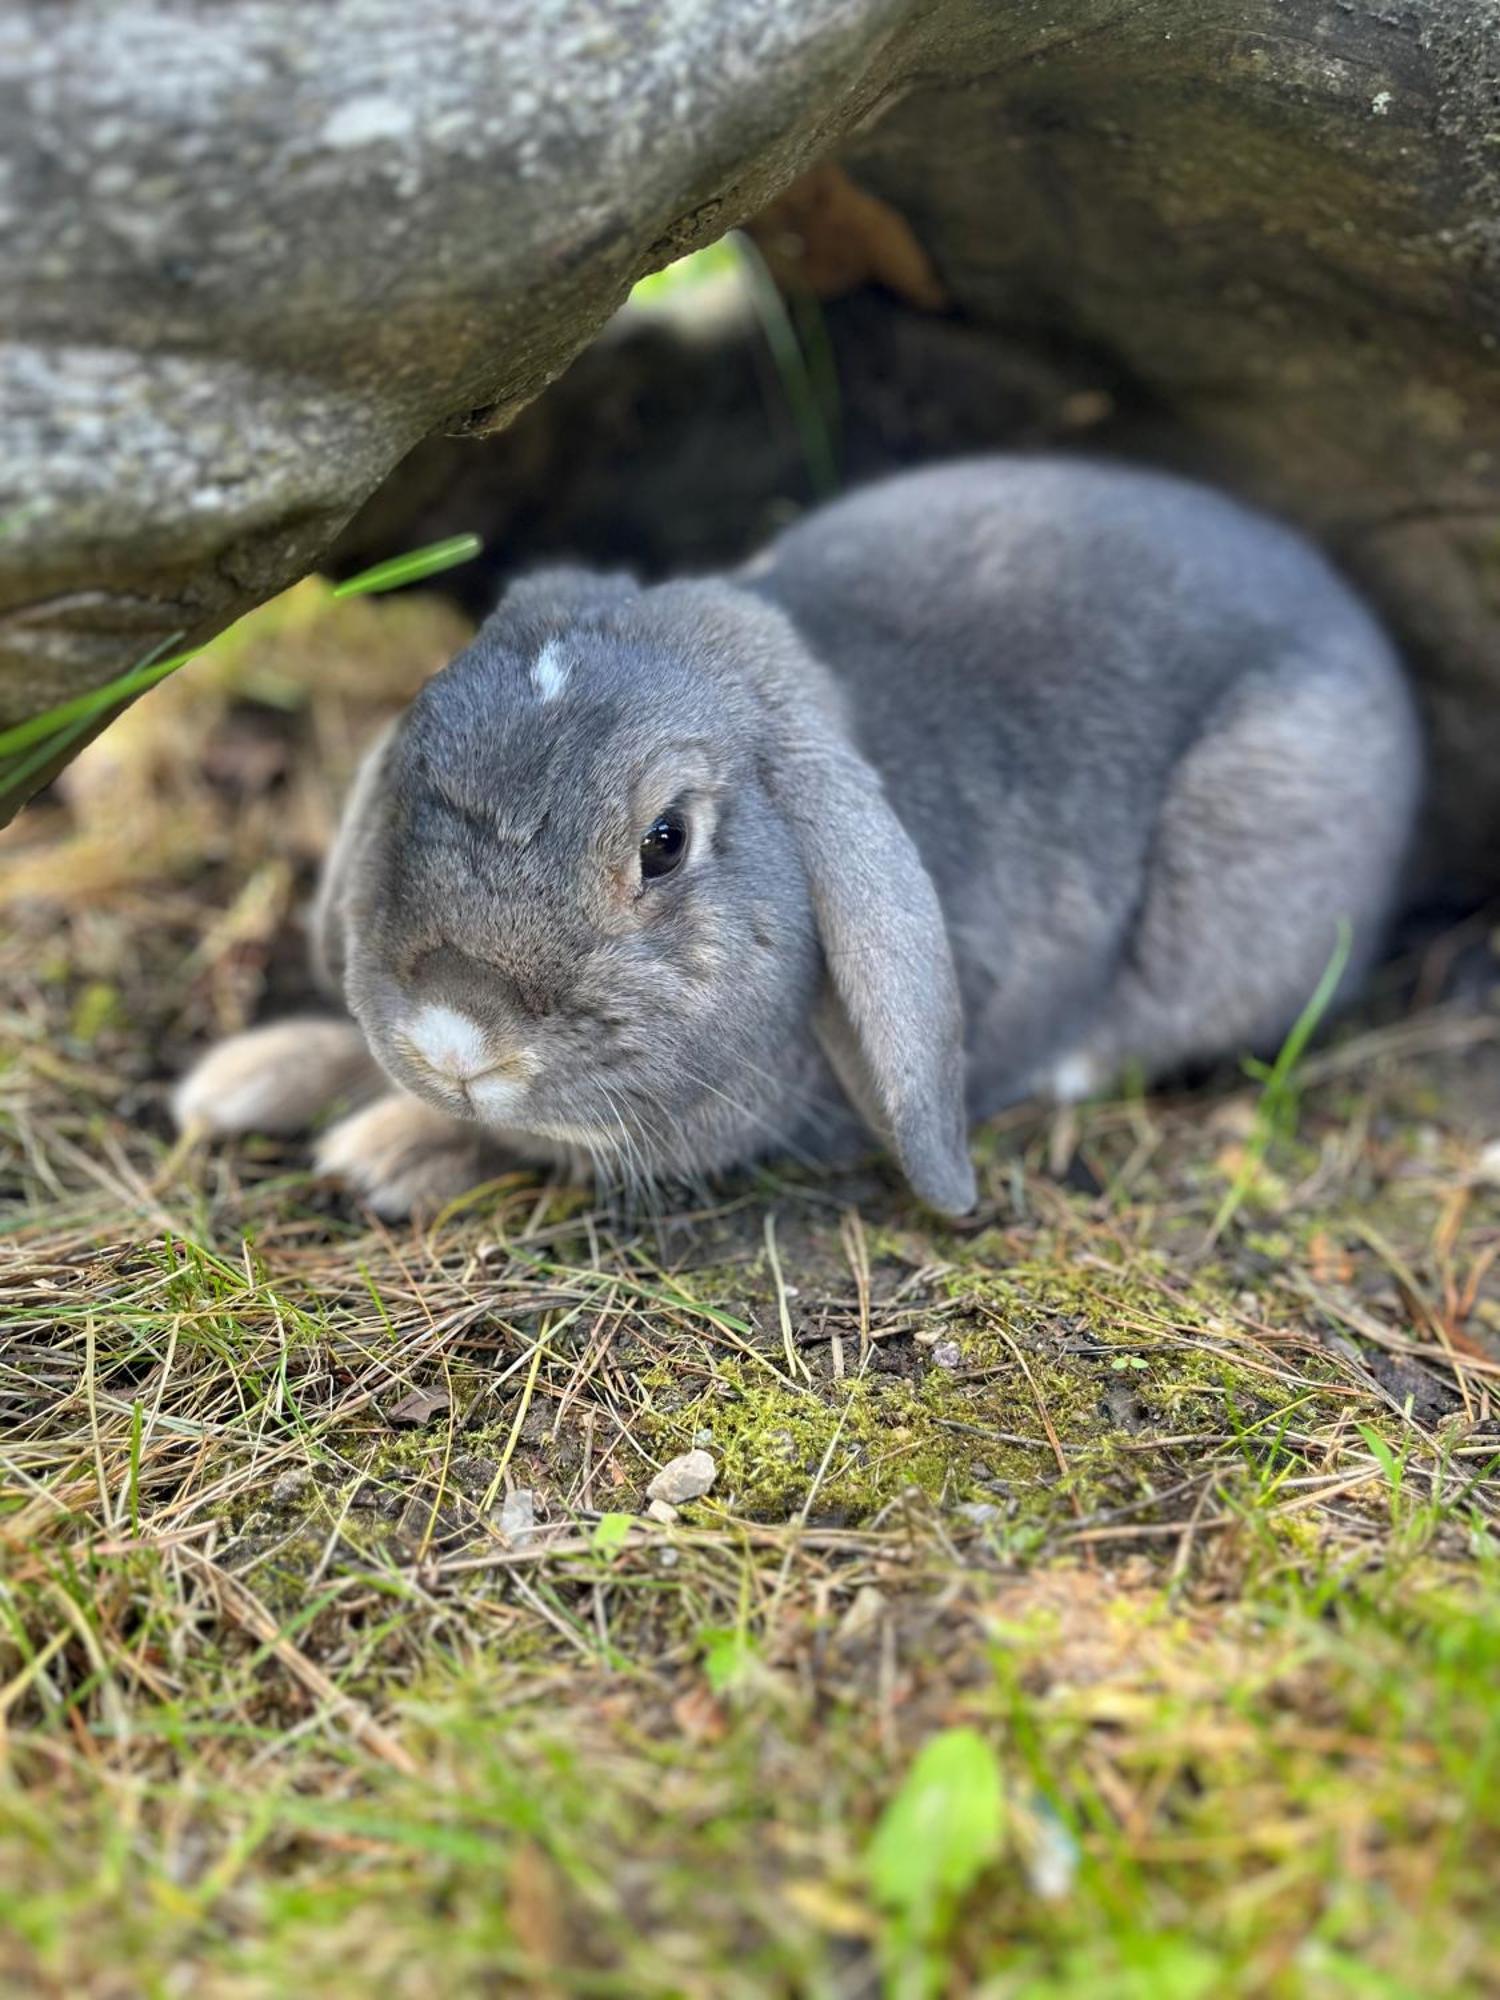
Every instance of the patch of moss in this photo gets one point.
(1097, 1352)
(848, 1446)
(1181, 1352)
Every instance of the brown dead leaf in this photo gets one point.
(699, 1716)
(420, 1407)
(1329, 1261)
(828, 237)
(536, 1916)
(819, 1904)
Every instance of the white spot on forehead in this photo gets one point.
(549, 676)
(449, 1041)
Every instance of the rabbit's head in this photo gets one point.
(599, 879)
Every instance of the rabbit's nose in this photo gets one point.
(453, 1046)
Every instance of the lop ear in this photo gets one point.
(890, 1020)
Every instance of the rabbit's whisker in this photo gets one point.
(776, 1127)
(632, 1159)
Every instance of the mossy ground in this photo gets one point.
(1196, 1531)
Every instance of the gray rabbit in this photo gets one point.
(987, 780)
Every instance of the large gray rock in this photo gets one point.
(253, 253)
(1279, 223)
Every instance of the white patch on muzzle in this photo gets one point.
(448, 1042)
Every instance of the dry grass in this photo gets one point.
(1197, 1536)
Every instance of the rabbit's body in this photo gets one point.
(993, 777)
(1160, 749)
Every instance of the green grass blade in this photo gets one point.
(1279, 1083)
(797, 382)
(412, 567)
(1276, 1111)
(84, 707)
(53, 733)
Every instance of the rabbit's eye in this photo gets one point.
(664, 845)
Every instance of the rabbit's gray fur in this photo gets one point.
(1001, 775)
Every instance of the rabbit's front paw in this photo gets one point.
(281, 1078)
(401, 1158)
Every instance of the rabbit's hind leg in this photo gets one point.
(1289, 816)
(282, 1078)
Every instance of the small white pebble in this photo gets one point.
(1487, 1166)
(1052, 1864)
(517, 1521)
(864, 1612)
(947, 1354)
(686, 1478)
(659, 1510)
